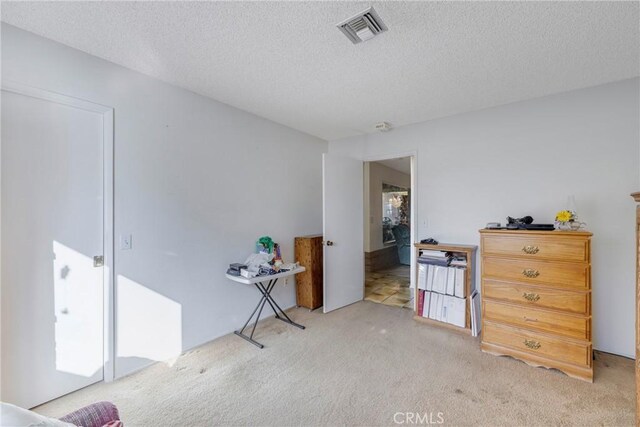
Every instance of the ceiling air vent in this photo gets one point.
(383, 127)
(362, 26)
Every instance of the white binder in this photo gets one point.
(451, 281)
(440, 279)
(456, 311)
(425, 304)
(431, 271)
(433, 306)
(461, 274)
(441, 315)
(422, 276)
(476, 326)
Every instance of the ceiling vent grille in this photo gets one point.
(362, 26)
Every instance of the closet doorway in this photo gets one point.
(57, 244)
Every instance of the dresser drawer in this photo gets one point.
(566, 274)
(536, 247)
(559, 299)
(530, 342)
(569, 325)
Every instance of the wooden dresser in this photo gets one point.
(536, 298)
(308, 252)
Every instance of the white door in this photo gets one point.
(343, 231)
(52, 227)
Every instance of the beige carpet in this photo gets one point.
(359, 366)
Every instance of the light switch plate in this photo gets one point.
(125, 242)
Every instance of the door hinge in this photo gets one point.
(98, 261)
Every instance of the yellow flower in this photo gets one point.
(564, 216)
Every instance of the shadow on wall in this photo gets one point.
(157, 334)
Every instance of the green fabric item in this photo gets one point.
(267, 243)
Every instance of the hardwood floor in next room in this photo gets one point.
(390, 287)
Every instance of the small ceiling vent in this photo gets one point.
(383, 127)
(363, 26)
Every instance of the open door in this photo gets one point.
(342, 192)
(636, 197)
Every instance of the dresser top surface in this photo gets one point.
(538, 232)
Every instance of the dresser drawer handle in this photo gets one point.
(530, 249)
(529, 272)
(530, 296)
(533, 345)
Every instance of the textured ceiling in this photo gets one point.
(289, 63)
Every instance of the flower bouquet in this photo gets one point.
(568, 220)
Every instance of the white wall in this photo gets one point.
(378, 174)
(524, 159)
(196, 183)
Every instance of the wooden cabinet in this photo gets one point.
(308, 252)
(536, 298)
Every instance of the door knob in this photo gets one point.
(329, 243)
(98, 261)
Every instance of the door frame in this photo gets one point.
(413, 155)
(108, 207)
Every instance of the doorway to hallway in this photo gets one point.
(387, 232)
